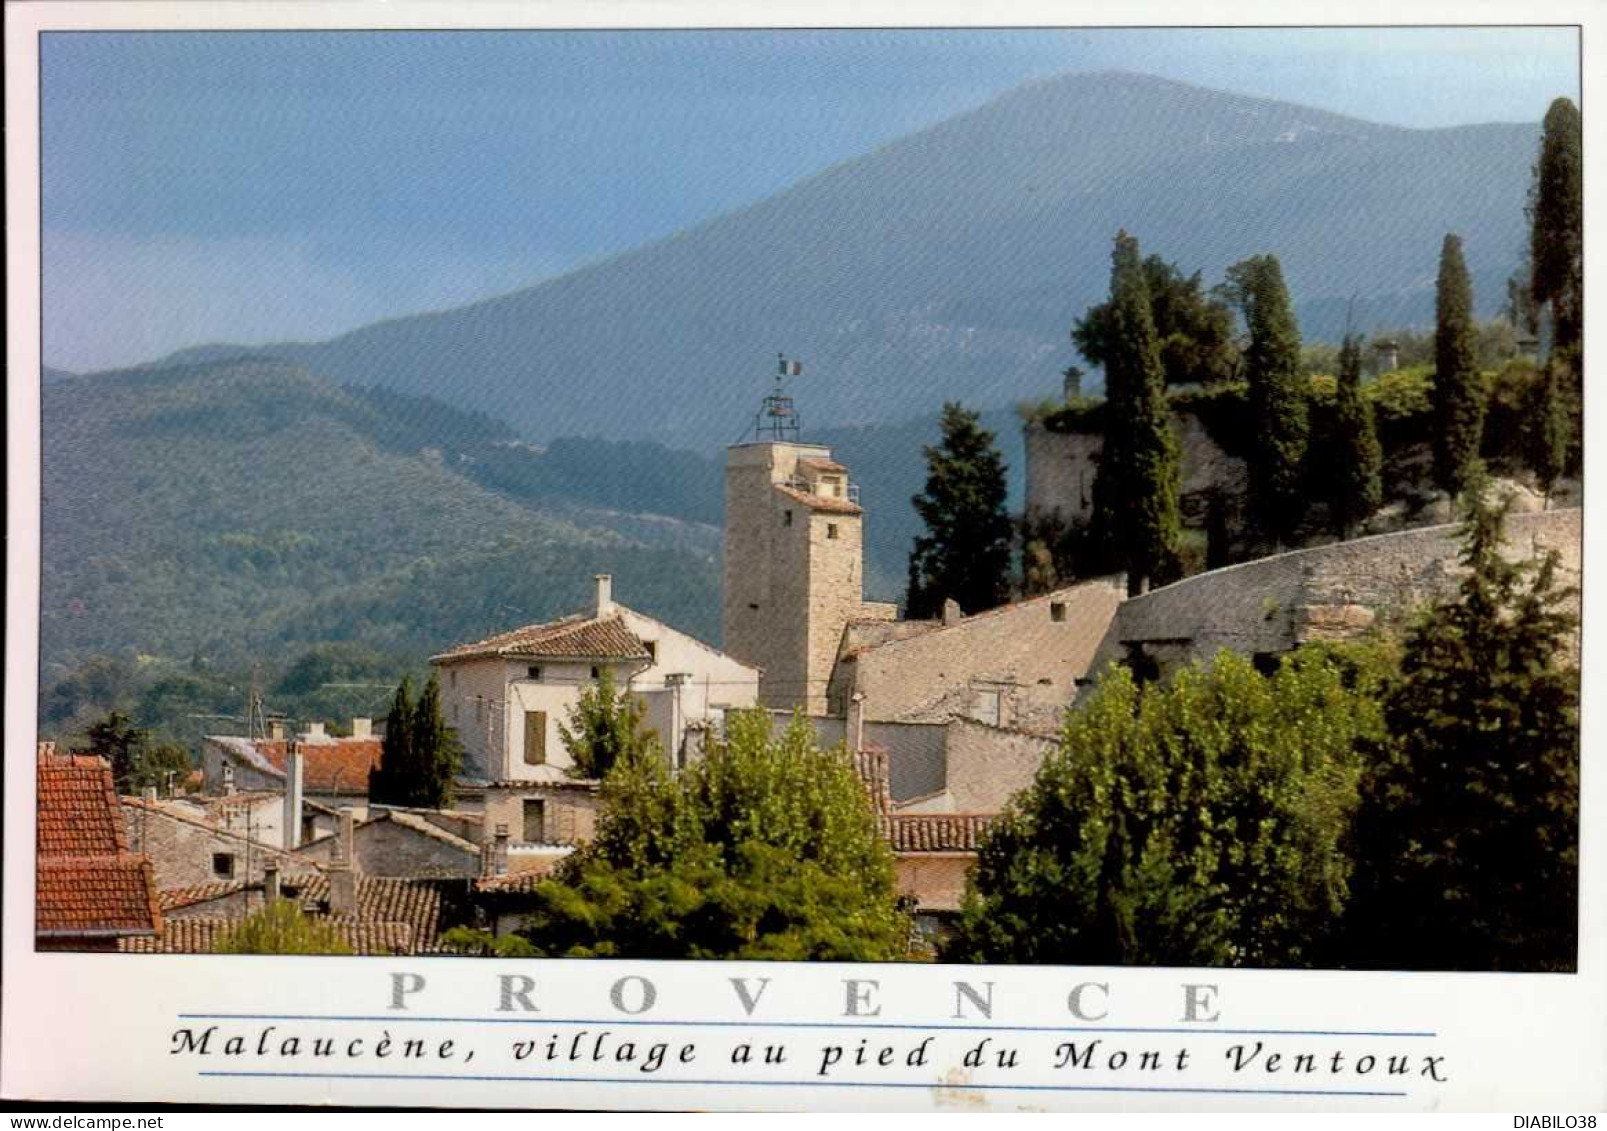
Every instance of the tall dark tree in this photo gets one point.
(389, 781)
(1556, 243)
(1357, 478)
(1459, 399)
(1550, 428)
(1136, 487)
(137, 761)
(1193, 328)
(437, 754)
(965, 552)
(1468, 839)
(1277, 394)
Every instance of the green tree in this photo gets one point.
(419, 755)
(281, 928)
(1357, 479)
(1459, 399)
(766, 849)
(1556, 241)
(1469, 834)
(437, 753)
(965, 552)
(1278, 410)
(1551, 428)
(606, 726)
(1193, 328)
(1136, 485)
(1196, 823)
(138, 762)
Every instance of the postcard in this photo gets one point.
(663, 557)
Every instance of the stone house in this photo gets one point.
(1017, 666)
(335, 769)
(402, 844)
(187, 848)
(93, 890)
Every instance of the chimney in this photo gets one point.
(343, 869)
(605, 594)
(315, 730)
(270, 882)
(291, 837)
(856, 722)
(228, 779)
(46, 750)
(362, 728)
(150, 795)
(494, 855)
(276, 730)
(951, 612)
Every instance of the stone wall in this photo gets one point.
(1061, 467)
(570, 812)
(935, 880)
(182, 851)
(1271, 605)
(987, 765)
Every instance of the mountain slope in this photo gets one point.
(951, 263)
(236, 509)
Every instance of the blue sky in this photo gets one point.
(252, 187)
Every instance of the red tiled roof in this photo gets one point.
(935, 832)
(173, 899)
(78, 808)
(522, 882)
(87, 882)
(91, 896)
(576, 637)
(819, 502)
(201, 936)
(871, 766)
(340, 765)
(382, 899)
(815, 463)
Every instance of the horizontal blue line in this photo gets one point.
(801, 1083)
(798, 1025)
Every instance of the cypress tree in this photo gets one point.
(1458, 386)
(437, 755)
(1277, 396)
(965, 554)
(387, 783)
(1136, 486)
(1551, 428)
(1556, 208)
(1357, 481)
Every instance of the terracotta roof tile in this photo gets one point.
(872, 767)
(819, 502)
(201, 936)
(381, 899)
(90, 896)
(576, 637)
(87, 883)
(340, 765)
(522, 882)
(78, 808)
(935, 832)
(815, 463)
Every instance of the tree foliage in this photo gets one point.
(1550, 428)
(1277, 395)
(1468, 841)
(606, 726)
(419, 755)
(137, 761)
(1357, 479)
(1458, 385)
(1193, 328)
(1136, 485)
(1556, 241)
(1196, 823)
(281, 927)
(767, 848)
(965, 552)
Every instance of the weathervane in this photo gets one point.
(777, 418)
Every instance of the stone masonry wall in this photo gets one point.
(987, 765)
(1273, 604)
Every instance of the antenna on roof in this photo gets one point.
(777, 419)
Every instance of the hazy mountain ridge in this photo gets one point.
(951, 262)
(226, 509)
